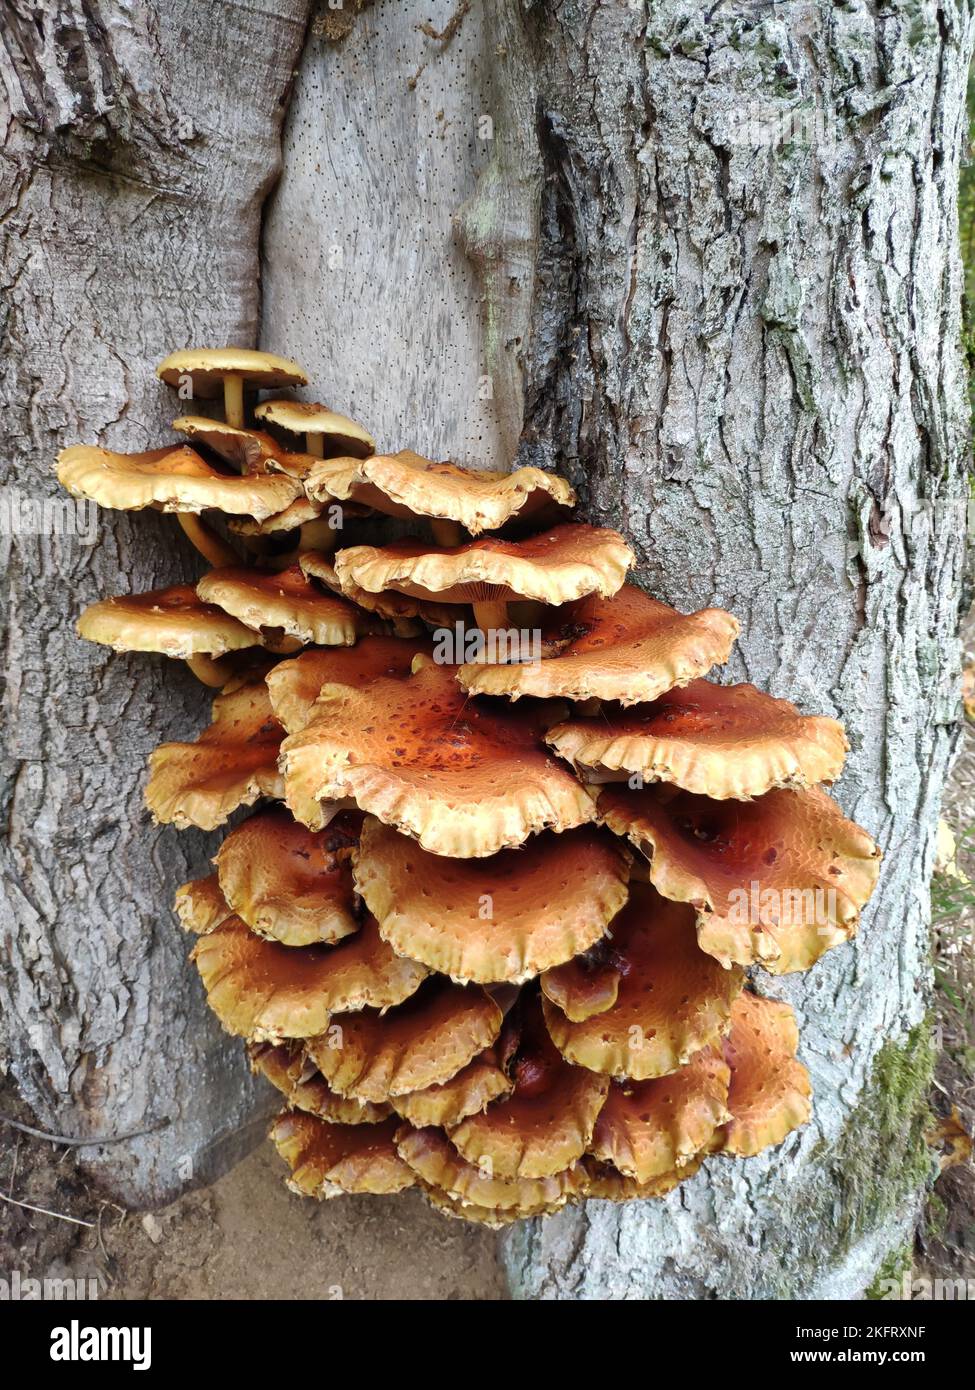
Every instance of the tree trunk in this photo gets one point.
(702, 260)
(141, 141)
(719, 287)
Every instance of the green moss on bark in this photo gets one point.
(893, 1268)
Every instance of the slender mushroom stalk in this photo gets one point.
(233, 399)
(315, 445)
(318, 535)
(447, 533)
(491, 613)
(204, 539)
(210, 672)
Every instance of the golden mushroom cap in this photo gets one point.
(174, 479)
(231, 764)
(407, 485)
(504, 917)
(466, 1093)
(628, 647)
(647, 1129)
(769, 1092)
(424, 1042)
(776, 881)
(255, 451)
(207, 368)
(546, 1123)
(295, 685)
(438, 1164)
(285, 600)
(672, 999)
(264, 991)
(610, 1185)
(308, 417)
(174, 621)
(201, 906)
(329, 1159)
(303, 1086)
(391, 605)
(586, 985)
(555, 567)
(717, 741)
(465, 780)
(289, 883)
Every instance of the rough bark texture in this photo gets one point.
(140, 143)
(719, 287)
(745, 349)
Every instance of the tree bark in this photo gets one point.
(140, 143)
(719, 287)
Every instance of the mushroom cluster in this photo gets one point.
(489, 925)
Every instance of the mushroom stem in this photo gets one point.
(493, 614)
(204, 539)
(588, 707)
(318, 535)
(207, 670)
(233, 399)
(315, 445)
(447, 532)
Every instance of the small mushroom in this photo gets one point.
(559, 565)
(227, 371)
(231, 764)
(434, 1159)
(586, 985)
(426, 1041)
(304, 1087)
(250, 451)
(610, 1185)
(408, 485)
(319, 425)
(286, 603)
(776, 881)
(672, 999)
(628, 648)
(506, 917)
(467, 1093)
(769, 1092)
(289, 883)
(201, 906)
(647, 1129)
(395, 607)
(718, 741)
(464, 780)
(264, 991)
(328, 1159)
(547, 1121)
(174, 622)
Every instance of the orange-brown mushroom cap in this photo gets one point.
(200, 905)
(647, 1129)
(422, 1043)
(586, 985)
(464, 779)
(434, 1159)
(672, 998)
(628, 648)
(264, 991)
(289, 883)
(174, 621)
(776, 881)
(254, 451)
(406, 484)
(295, 685)
(327, 1160)
(467, 1093)
(174, 480)
(555, 567)
(231, 764)
(769, 1092)
(285, 600)
(304, 1087)
(391, 605)
(547, 1122)
(718, 741)
(506, 917)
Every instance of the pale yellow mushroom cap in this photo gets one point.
(308, 417)
(207, 368)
